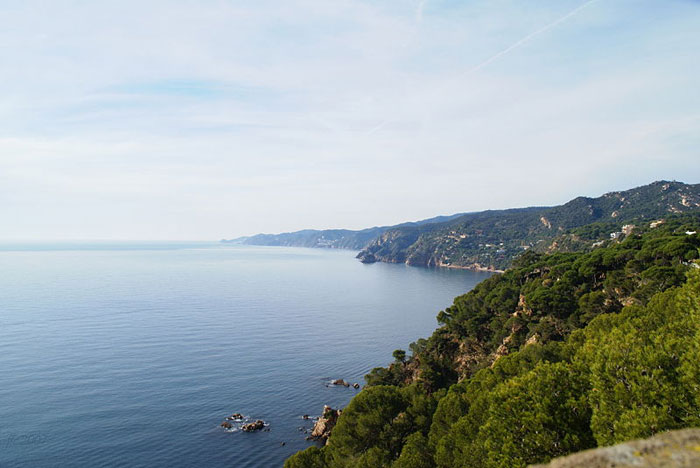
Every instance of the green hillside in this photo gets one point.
(492, 239)
(562, 352)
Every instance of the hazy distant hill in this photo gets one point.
(331, 238)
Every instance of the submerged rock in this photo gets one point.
(674, 449)
(253, 426)
(356, 385)
(325, 424)
(226, 425)
(235, 417)
(340, 382)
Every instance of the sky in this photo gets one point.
(198, 120)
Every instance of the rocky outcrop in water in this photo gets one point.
(325, 424)
(237, 421)
(253, 426)
(366, 257)
(674, 449)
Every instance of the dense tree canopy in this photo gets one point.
(561, 353)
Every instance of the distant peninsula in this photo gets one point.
(332, 238)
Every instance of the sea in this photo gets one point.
(133, 353)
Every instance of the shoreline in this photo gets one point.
(441, 265)
(473, 268)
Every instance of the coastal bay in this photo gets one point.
(133, 353)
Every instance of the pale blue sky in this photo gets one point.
(210, 119)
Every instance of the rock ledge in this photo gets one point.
(675, 449)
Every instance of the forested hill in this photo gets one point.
(492, 239)
(332, 238)
(561, 353)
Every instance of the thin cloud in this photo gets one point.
(224, 119)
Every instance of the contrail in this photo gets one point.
(376, 128)
(527, 38)
(505, 51)
(419, 10)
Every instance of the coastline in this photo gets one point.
(472, 268)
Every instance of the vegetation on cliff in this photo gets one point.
(492, 239)
(561, 353)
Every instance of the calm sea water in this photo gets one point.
(133, 354)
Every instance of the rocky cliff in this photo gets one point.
(674, 449)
